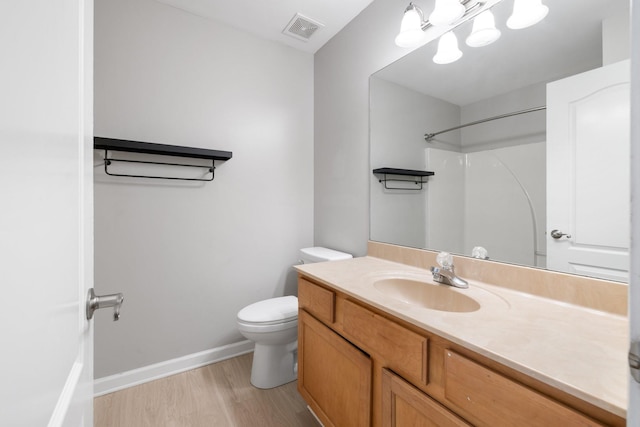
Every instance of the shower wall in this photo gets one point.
(493, 198)
(505, 203)
(445, 201)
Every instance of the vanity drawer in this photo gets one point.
(491, 399)
(402, 350)
(319, 301)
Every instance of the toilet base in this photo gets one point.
(274, 365)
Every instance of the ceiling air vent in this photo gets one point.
(301, 27)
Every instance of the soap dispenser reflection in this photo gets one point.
(479, 252)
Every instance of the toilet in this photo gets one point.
(273, 325)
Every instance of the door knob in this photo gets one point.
(95, 302)
(634, 360)
(557, 234)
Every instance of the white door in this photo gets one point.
(46, 199)
(633, 412)
(588, 143)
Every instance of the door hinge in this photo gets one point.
(634, 360)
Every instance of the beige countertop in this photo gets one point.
(578, 350)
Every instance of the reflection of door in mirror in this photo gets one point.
(588, 164)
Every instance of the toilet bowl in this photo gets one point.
(273, 325)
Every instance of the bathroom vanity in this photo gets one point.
(380, 344)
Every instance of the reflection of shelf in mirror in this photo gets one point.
(419, 177)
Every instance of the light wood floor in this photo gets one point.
(215, 395)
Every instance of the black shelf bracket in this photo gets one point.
(402, 175)
(110, 144)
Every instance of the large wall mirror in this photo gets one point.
(504, 185)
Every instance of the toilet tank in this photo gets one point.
(320, 254)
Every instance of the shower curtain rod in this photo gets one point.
(429, 136)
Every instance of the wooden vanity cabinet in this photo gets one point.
(334, 376)
(489, 398)
(319, 301)
(404, 405)
(359, 366)
(400, 349)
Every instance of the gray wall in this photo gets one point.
(399, 118)
(521, 129)
(189, 256)
(341, 110)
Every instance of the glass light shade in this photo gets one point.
(446, 12)
(526, 13)
(484, 30)
(448, 51)
(411, 34)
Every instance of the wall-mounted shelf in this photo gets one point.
(110, 144)
(402, 175)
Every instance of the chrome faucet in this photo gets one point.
(446, 274)
(448, 277)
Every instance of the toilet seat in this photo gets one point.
(274, 311)
(265, 328)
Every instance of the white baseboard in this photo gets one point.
(145, 374)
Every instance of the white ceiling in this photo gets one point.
(566, 42)
(267, 18)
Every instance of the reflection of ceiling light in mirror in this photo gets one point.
(448, 51)
(411, 34)
(484, 30)
(526, 13)
(446, 12)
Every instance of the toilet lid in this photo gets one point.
(270, 310)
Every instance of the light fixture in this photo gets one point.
(446, 12)
(526, 13)
(484, 30)
(411, 34)
(450, 13)
(448, 51)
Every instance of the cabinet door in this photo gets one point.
(334, 377)
(405, 405)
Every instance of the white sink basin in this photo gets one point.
(427, 295)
